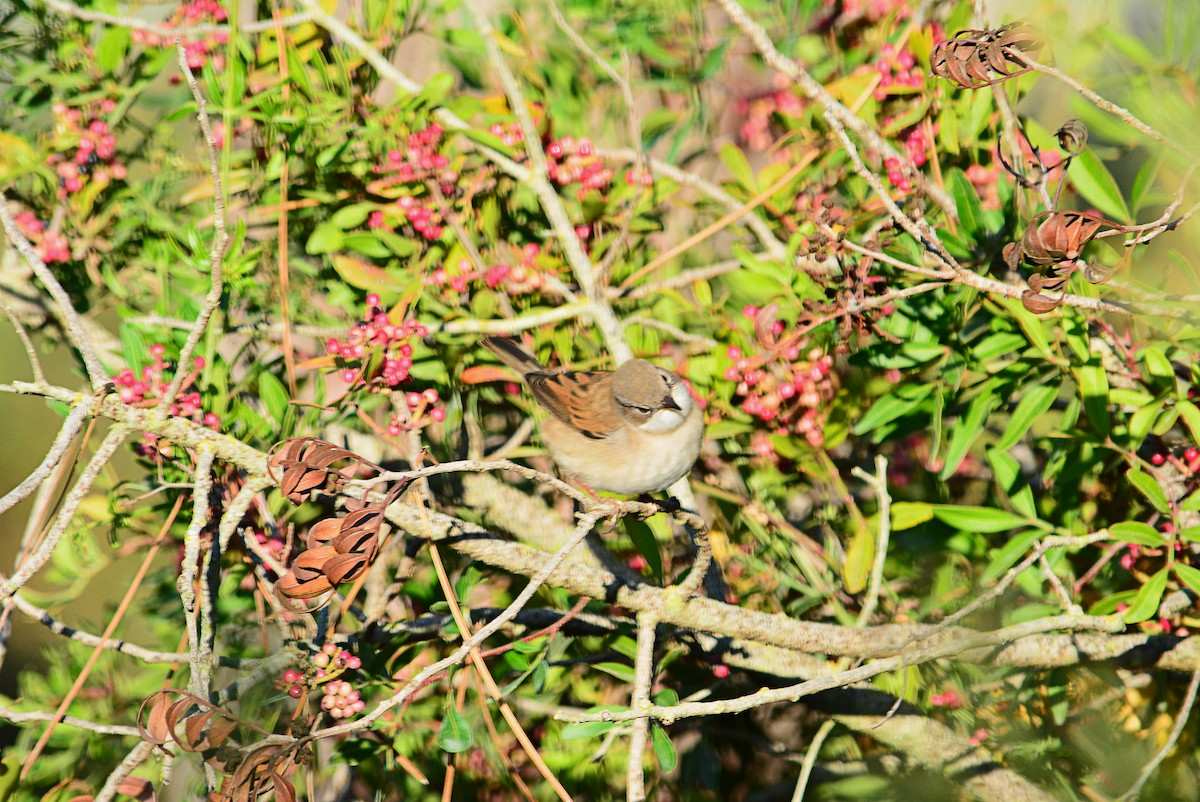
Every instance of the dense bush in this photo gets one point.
(930, 289)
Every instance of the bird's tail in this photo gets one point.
(514, 355)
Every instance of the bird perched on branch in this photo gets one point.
(633, 430)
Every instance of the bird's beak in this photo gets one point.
(669, 403)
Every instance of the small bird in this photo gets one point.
(633, 430)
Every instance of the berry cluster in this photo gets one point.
(198, 51)
(852, 11)
(986, 181)
(145, 391)
(376, 354)
(896, 68)
(951, 699)
(574, 161)
(508, 133)
(88, 148)
(782, 387)
(516, 280)
(420, 159)
(916, 147)
(49, 244)
(340, 698)
(757, 111)
(424, 219)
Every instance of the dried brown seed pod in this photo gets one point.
(973, 59)
(1072, 137)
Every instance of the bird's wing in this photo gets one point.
(583, 401)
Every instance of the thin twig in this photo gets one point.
(35, 362)
(1181, 719)
(66, 513)
(878, 483)
(838, 115)
(944, 647)
(810, 760)
(539, 181)
(216, 258)
(97, 375)
(66, 436)
(643, 677)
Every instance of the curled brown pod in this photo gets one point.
(973, 59)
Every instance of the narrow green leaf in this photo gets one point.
(907, 514)
(966, 198)
(1188, 576)
(1010, 479)
(1033, 326)
(859, 557)
(1007, 555)
(1035, 402)
(326, 238)
(1095, 184)
(737, 165)
(618, 670)
(1156, 362)
(664, 750)
(896, 404)
(970, 427)
(455, 734)
(1093, 387)
(978, 519)
(1109, 604)
(1149, 488)
(1145, 604)
(1191, 418)
(1137, 532)
(646, 544)
(274, 396)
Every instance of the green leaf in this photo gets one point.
(970, 427)
(1191, 418)
(966, 198)
(896, 404)
(1109, 604)
(737, 165)
(1010, 479)
(274, 396)
(1035, 402)
(619, 670)
(646, 544)
(1157, 363)
(437, 87)
(364, 276)
(1149, 488)
(326, 238)
(1137, 532)
(1007, 555)
(978, 519)
(1188, 576)
(664, 750)
(907, 514)
(859, 557)
(1093, 386)
(1033, 326)
(1145, 605)
(112, 47)
(455, 734)
(352, 216)
(1095, 184)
